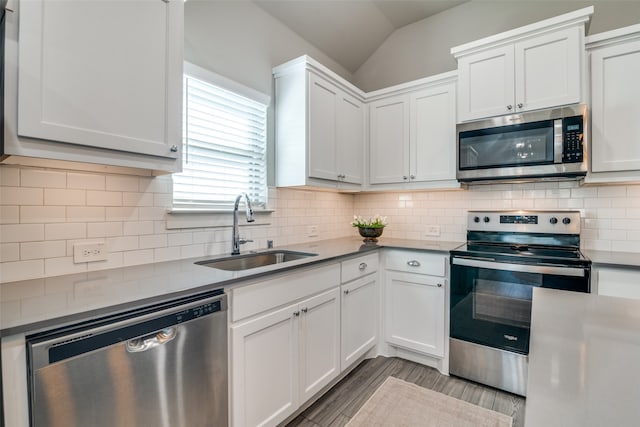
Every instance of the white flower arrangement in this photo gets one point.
(376, 222)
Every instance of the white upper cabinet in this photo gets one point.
(320, 127)
(389, 140)
(98, 75)
(615, 128)
(412, 135)
(529, 68)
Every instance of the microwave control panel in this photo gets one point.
(572, 147)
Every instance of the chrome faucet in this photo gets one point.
(236, 241)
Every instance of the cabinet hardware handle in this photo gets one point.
(509, 107)
(304, 310)
(439, 285)
(346, 292)
(174, 148)
(520, 105)
(412, 176)
(413, 263)
(405, 177)
(296, 313)
(362, 266)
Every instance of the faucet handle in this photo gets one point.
(242, 241)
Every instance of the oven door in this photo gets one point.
(491, 300)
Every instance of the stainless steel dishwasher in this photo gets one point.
(163, 365)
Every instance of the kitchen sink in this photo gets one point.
(248, 261)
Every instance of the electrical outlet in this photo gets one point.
(89, 252)
(432, 231)
(312, 231)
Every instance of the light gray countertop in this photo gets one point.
(613, 259)
(583, 362)
(33, 305)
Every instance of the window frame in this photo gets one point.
(222, 82)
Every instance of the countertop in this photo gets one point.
(29, 306)
(583, 363)
(613, 259)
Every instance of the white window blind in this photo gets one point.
(224, 142)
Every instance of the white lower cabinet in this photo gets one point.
(282, 358)
(359, 318)
(617, 282)
(414, 301)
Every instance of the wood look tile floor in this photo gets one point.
(339, 404)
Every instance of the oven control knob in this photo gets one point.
(486, 219)
(476, 219)
(566, 220)
(553, 220)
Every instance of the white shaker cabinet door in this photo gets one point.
(319, 342)
(414, 312)
(264, 368)
(359, 318)
(389, 140)
(102, 73)
(615, 110)
(322, 128)
(486, 84)
(350, 138)
(433, 134)
(548, 70)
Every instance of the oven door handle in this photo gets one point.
(524, 268)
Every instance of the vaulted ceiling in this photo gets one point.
(349, 31)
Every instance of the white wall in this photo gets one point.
(423, 49)
(240, 41)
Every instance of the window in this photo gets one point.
(224, 143)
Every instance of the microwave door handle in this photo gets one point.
(557, 270)
(558, 141)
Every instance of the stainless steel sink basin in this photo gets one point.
(261, 259)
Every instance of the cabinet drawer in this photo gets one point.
(434, 264)
(285, 288)
(358, 267)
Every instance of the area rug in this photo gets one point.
(399, 403)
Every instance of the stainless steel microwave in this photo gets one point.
(534, 145)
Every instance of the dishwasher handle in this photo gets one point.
(138, 345)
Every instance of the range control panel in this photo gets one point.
(561, 222)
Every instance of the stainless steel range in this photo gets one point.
(507, 254)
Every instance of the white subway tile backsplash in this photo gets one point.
(122, 183)
(9, 252)
(41, 250)
(153, 241)
(65, 231)
(63, 265)
(122, 243)
(129, 214)
(13, 233)
(137, 199)
(43, 178)
(9, 214)
(86, 214)
(42, 214)
(144, 256)
(126, 213)
(104, 229)
(104, 198)
(86, 181)
(136, 228)
(21, 196)
(21, 270)
(9, 176)
(57, 197)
